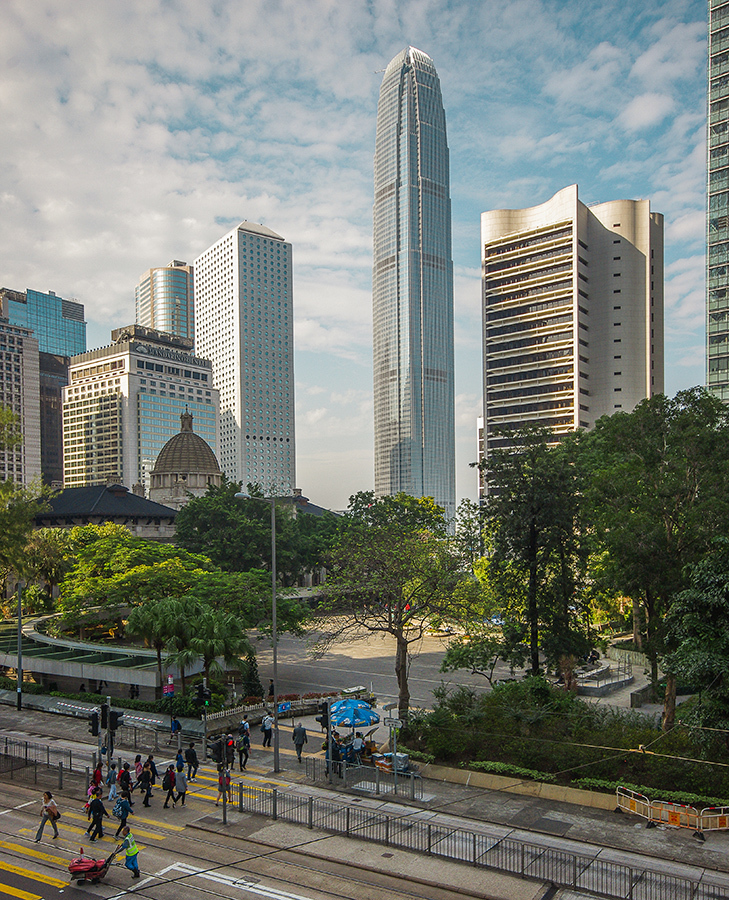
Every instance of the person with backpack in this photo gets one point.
(111, 782)
(192, 762)
(153, 768)
(267, 729)
(168, 784)
(138, 766)
(96, 814)
(125, 778)
(181, 785)
(122, 809)
(224, 786)
(179, 761)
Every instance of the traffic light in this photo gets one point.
(200, 693)
(218, 750)
(207, 695)
(104, 716)
(116, 719)
(323, 719)
(94, 723)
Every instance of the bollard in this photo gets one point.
(60, 776)
(275, 804)
(226, 775)
(93, 759)
(377, 780)
(70, 760)
(88, 778)
(343, 773)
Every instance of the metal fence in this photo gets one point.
(366, 778)
(30, 763)
(561, 868)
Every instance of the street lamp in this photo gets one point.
(242, 495)
(19, 668)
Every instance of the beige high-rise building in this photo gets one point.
(572, 313)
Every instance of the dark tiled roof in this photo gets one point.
(103, 500)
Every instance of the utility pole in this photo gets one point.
(19, 589)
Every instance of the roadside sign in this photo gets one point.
(389, 706)
(284, 707)
(392, 723)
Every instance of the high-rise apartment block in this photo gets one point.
(19, 392)
(164, 299)
(572, 313)
(60, 329)
(124, 402)
(717, 231)
(244, 325)
(413, 287)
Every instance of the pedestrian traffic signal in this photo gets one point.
(116, 719)
(323, 719)
(207, 696)
(94, 723)
(104, 716)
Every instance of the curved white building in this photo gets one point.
(412, 287)
(572, 313)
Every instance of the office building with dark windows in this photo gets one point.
(413, 287)
(164, 299)
(572, 313)
(244, 324)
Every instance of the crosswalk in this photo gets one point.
(30, 871)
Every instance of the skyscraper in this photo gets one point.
(717, 231)
(412, 290)
(164, 299)
(572, 313)
(244, 325)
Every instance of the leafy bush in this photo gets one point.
(498, 768)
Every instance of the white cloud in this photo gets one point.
(645, 111)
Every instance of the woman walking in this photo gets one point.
(49, 813)
(123, 809)
(145, 783)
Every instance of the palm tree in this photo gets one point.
(218, 635)
(180, 651)
(156, 623)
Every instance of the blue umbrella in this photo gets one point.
(355, 717)
(349, 703)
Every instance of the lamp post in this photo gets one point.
(274, 637)
(19, 668)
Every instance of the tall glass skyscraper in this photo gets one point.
(717, 276)
(413, 287)
(164, 299)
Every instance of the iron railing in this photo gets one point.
(561, 868)
(366, 778)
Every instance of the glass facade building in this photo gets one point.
(413, 287)
(717, 276)
(164, 299)
(244, 324)
(57, 324)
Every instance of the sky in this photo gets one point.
(138, 132)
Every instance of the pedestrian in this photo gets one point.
(245, 726)
(191, 760)
(111, 781)
(49, 813)
(299, 738)
(224, 785)
(130, 848)
(358, 746)
(244, 749)
(97, 777)
(96, 814)
(271, 697)
(229, 750)
(122, 809)
(181, 785)
(267, 729)
(175, 729)
(124, 779)
(138, 766)
(82, 688)
(168, 784)
(153, 767)
(145, 783)
(179, 761)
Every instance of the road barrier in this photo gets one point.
(563, 868)
(677, 815)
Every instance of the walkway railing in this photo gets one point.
(523, 859)
(25, 761)
(366, 778)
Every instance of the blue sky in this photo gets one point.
(138, 132)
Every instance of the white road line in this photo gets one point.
(232, 881)
(22, 806)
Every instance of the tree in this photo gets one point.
(156, 623)
(698, 622)
(533, 516)
(658, 491)
(48, 556)
(392, 571)
(218, 634)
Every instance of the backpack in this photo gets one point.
(166, 782)
(118, 810)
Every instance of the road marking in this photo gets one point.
(34, 876)
(231, 881)
(147, 834)
(37, 854)
(13, 808)
(16, 892)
